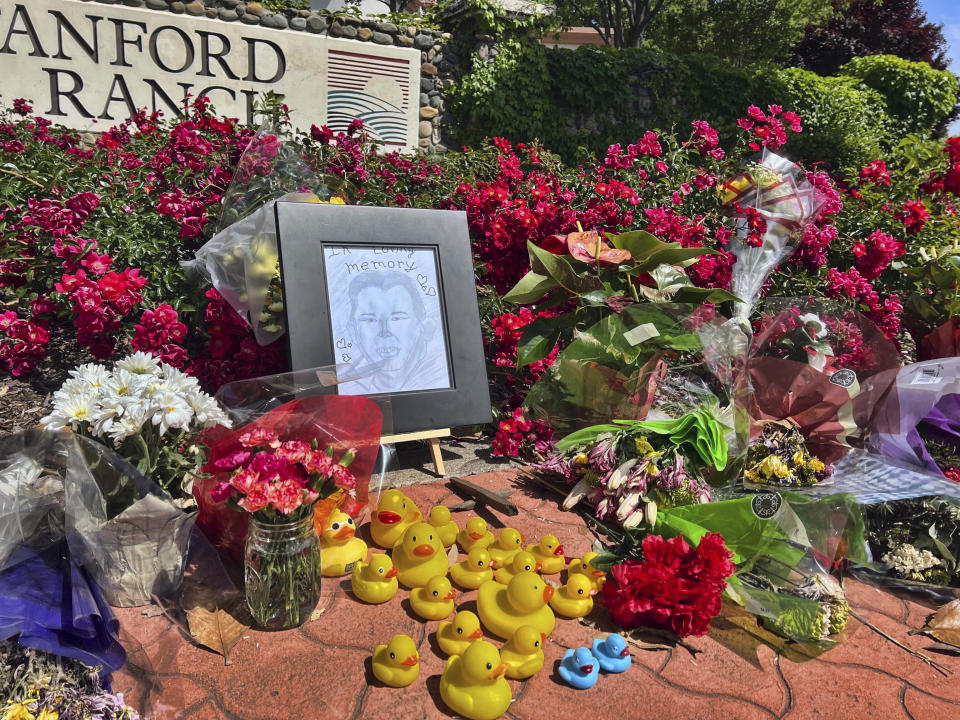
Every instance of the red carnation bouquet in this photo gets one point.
(674, 587)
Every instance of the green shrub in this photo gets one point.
(530, 92)
(844, 122)
(916, 96)
(511, 97)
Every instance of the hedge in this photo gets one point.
(588, 98)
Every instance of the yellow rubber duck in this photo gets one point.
(376, 581)
(472, 684)
(504, 608)
(472, 572)
(433, 601)
(340, 547)
(440, 518)
(418, 556)
(522, 562)
(475, 534)
(394, 514)
(455, 636)
(584, 566)
(397, 663)
(523, 653)
(575, 599)
(549, 553)
(509, 543)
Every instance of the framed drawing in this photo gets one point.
(388, 295)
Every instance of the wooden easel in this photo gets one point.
(433, 440)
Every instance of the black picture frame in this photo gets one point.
(304, 229)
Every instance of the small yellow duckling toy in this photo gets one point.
(522, 562)
(475, 534)
(472, 572)
(472, 684)
(374, 582)
(509, 543)
(340, 547)
(455, 636)
(419, 555)
(523, 653)
(394, 514)
(549, 553)
(397, 663)
(584, 566)
(433, 601)
(575, 599)
(440, 518)
(504, 608)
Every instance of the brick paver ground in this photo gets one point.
(322, 670)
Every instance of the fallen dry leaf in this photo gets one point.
(217, 630)
(453, 554)
(947, 617)
(944, 626)
(4, 390)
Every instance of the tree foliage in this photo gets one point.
(739, 31)
(621, 23)
(872, 27)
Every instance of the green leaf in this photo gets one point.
(586, 436)
(639, 242)
(701, 295)
(530, 288)
(595, 298)
(537, 340)
(670, 255)
(544, 262)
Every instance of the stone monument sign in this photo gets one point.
(89, 65)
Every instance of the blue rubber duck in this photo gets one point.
(612, 653)
(579, 668)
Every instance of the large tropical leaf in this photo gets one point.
(531, 288)
(544, 262)
(538, 340)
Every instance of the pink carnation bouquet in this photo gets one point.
(278, 481)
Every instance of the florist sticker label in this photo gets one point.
(637, 335)
(766, 505)
(89, 66)
(928, 375)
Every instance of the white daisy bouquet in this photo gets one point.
(150, 411)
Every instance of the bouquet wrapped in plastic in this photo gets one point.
(47, 599)
(629, 468)
(649, 361)
(121, 527)
(82, 529)
(784, 547)
(241, 259)
(339, 424)
(918, 423)
(149, 411)
(643, 395)
(814, 378)
(771, 202)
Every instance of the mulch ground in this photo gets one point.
(23, 401)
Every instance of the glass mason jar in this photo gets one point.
(282, 572)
